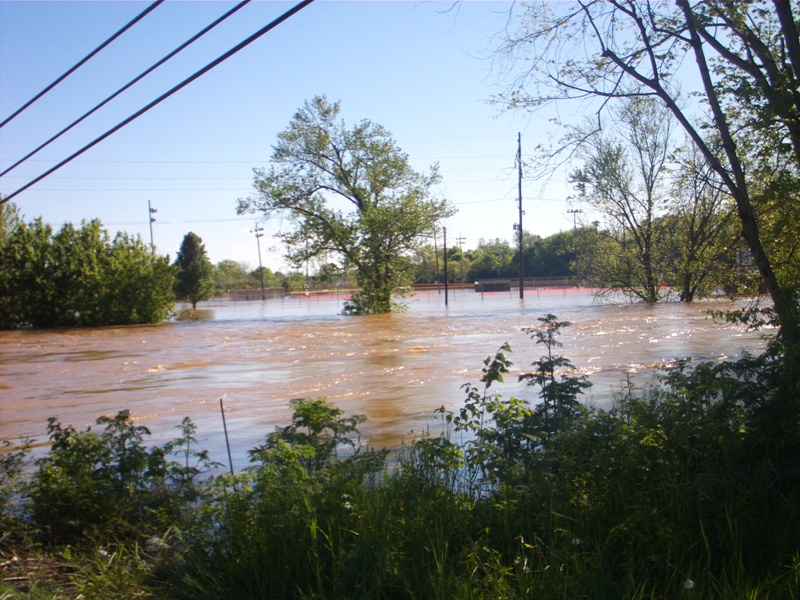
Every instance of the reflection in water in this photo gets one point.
(394, 368)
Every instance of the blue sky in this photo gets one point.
(423, 70)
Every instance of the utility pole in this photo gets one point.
(444, 233)
(460, 241)
(436, 255)
(574, 212)
(259, 232)
(519, 226)
(308, 283)
(151, 219)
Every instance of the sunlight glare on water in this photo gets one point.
(396, 369)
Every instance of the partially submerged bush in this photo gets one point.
(110, 486)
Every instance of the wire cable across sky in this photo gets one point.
(132, 82)
(289, 13)
(83, 61)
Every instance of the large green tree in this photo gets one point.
(195, 273)
(553, 256)
(740, 59)
(492, 259)
(349, 194)
(233, 275)
(79, 276)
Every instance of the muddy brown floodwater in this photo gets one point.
(395, 369)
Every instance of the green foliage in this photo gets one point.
(552, 256)
(492, 432)
(79, 277)
(233, 275)
(426, 264)
(110, 486)
(194, 279)
(318, 430)
(13, 485)
(10, 219)
(757, 86)
(559, 396)
(351, 195)
(744, 67)
(492, 259)
(698, 232)
(624, 178)
(138, 284)
(293, 521)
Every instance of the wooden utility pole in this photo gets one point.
(151, 219)
(436, 256)
(574, 212)
(519, 226)
(259, 232)
(444, 234)
(460, 241)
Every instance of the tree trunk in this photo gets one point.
(784, 305)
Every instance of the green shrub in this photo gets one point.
(13, 486)
(106, 487)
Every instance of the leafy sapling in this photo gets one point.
(557, 389)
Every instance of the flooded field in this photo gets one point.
(396, 369)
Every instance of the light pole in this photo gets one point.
(519, 226)
(444, 243)
(574, 212)
(151, 219)
(460, 241)
(436, 256)
(259, 232)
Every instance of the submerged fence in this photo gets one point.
(482, 286)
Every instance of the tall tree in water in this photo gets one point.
(348, 194)
(702, 253)
(625, 178)
(195, 273)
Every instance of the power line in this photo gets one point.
(170, 162)
(289, 13)
(178, 222)
(132, 82)
(245, 189)
(80, 63)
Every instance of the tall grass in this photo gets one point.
(686, 490)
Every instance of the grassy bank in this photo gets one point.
(687, 490)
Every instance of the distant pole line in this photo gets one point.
(129, 84)
(80, 63)
(295, 9)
